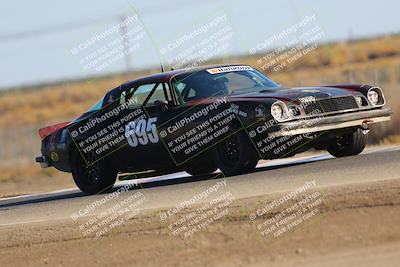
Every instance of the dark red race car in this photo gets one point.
(202, 119)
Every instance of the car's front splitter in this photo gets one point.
(322, 123)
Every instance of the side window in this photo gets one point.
(146, 94)
(168, 91)
(158, 94)
(191, 93)
(185, 92)
(142, 92)
(122, 98)
(180, 86)
(127, 95)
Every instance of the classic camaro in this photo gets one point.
(198, 120)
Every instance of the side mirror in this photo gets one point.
(161, 103)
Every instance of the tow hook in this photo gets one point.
(365, 127)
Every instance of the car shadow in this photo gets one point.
(48, 197)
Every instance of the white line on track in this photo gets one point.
(277, 162)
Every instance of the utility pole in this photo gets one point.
(123, 31)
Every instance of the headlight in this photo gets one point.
(373, 97)
(279, 111)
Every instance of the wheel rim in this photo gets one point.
(229, 151)
(88, 173)
(341, 143)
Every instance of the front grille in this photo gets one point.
(331, 105)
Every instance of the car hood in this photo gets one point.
(294, 94)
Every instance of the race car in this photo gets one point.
(198, 120)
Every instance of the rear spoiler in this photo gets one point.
(46, 131)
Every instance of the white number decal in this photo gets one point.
(141, 132)
(130, 134)
(152, 130)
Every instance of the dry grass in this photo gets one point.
(27, 178)
(56, 103)
(391, 139)
(12, 174)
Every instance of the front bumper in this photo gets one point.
(320, 124)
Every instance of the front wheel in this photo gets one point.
(236, 154)
(92, 179)
(349, 145)
(201, 165)
(196, 170)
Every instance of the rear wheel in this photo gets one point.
(236, 154)
(349, 145)
(92, 179)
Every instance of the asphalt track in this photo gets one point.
(375, 164)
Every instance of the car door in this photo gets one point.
(145, 149)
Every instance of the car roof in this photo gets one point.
(166, 76)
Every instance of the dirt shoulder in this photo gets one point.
(356, 225)
(24, 184)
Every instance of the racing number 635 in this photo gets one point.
(141, 132)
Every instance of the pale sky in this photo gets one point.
(36, 37)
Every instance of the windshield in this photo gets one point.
(220, 81)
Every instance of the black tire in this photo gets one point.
(349, 145)
(201, 166)
(93, 179)
(236, 154)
